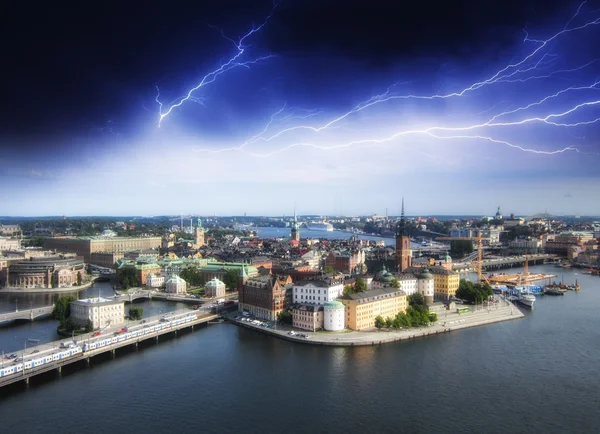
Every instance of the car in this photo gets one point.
(35, 351)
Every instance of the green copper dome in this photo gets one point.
(425, 274)
(333, 305)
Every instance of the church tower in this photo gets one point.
(403, 251)
(295, 233)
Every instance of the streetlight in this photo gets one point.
(16, 304)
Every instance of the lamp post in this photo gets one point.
(16, 304)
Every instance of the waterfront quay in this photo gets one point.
(28, 363)
(502, 310)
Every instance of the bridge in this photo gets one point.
(514, 261)
(26, 314)
(55, 347)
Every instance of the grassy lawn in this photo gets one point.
(197, 291)
(328, 332)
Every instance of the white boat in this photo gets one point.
(526, 298)
(320, 226)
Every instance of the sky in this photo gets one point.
(339, 107)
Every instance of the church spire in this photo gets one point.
(402, 212)
(401, 228)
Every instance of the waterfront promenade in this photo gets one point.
(504, 310)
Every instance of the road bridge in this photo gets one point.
(513, 261)
(55, 347)
(26, 314)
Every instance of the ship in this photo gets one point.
(525, 297)
(320, 226)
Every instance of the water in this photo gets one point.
(14, 336)
(536, 374)
(268, 232)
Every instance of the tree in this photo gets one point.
(379, 322)
(395, 283)
(417, 299)
(79, 278)
(53, 281)
(460, 248)
(474, 293)
(360, 285)
(389, 322)
(231, 279)
(62, 309)
(88, 326)
(88, 268)
(349, 289)
(136, 313)
(127, 277)
(433, 317)
(328, 270)
(285, 317)
(192, 276)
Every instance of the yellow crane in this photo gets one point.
(480, 277)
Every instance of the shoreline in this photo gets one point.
(369, 338)
(13, 290)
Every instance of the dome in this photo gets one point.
(387, 277)
(333, 305)
(425, 274)
(214, 282)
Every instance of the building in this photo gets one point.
(101, 312)
(346, 262)
(498, 214)
(199, 236)
(524, 245)
(403, 251)
(426, 285)
(155, 281)
(295, 232)
(176, 285)
(45, 272)
(445, 283)
(307, 317)
(263, 297)
(105, 259)
(214, 288)
(9, 230)
(363, 307)
(407, 281)
(317, 291)
(10, 243)
(85, 246)
(333, 316)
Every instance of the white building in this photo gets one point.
(176, 285)
(155, 281)
(334, 316)
(102, 312)
(214, 288)
(408, 282)
(425, 284)
(317, 291)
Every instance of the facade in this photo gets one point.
(199, 236)
(317, 291)
(44, 272)
(334, 314)
(403, 251)
(105, 259)
(346, 262)
(445, 283)
(408, 282)
(101, 312)
(426, 285)
(155, 281)
(9, 243)
(295, 232)
(525, 245)
(9, 230)
(214, 288)
(176, 285)
(85, 246)
(363, 307)
(307, 317)
(263, 297)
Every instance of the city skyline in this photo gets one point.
(459, 110)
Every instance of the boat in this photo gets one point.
(552, 290)
(525, 297)
(574, 287)
(320, 226)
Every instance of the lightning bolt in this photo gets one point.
(516, 71)
(233, 62)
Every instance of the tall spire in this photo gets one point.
(402, 213)
(401, 227)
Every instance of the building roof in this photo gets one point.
(374, 294)
(425, 274)
(214, 282)
(97, 301)
(333, 305)
(321, 282)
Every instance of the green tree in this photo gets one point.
(460, 248)
(136, 313)
(433, 317)
(474, 293)
(349, 289)
(328, 270)
(69, 325)
(62, 309)
(285, 317)
(416, 299)
(231, 279)
(88, 268)
(79, 278)
(360, 285)
(53, 281)
(127, 277)
(389, 322)
(88, 326)
(379, 322)
(192, 276)
(395, 283)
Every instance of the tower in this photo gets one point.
(403, 252)
(295, 232)
(199, 235)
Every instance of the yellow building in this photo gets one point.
(363, 307)
(445, 283)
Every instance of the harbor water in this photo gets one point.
(535, 374)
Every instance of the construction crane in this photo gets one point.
(480, 277)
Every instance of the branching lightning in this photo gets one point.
(235, 61)
(535, 64)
